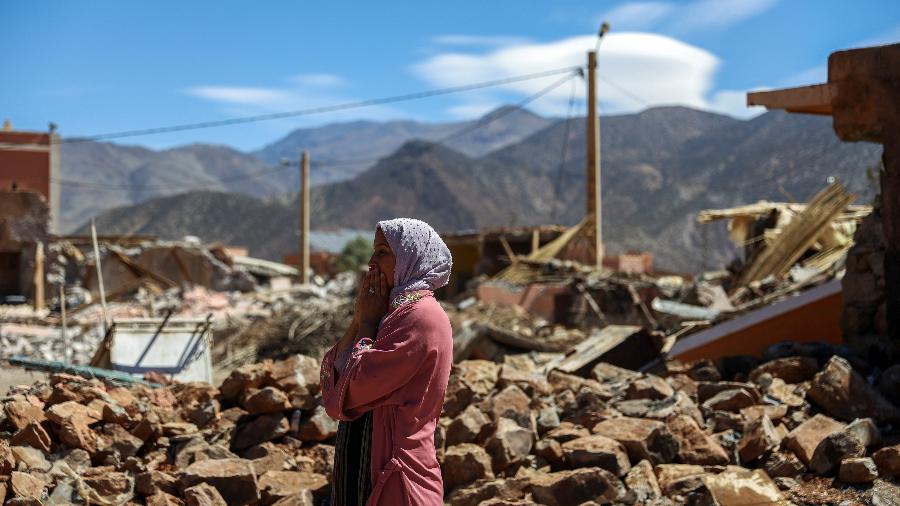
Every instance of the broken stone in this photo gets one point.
(858, 470)
(178, 428)
(730, 400)
(318, 427)
(468, 427)
(759, 437)
(163, 499)
(32, 435)
(783, 464)
(264, 428)
(470, 381)
(734, 487)
(20, 413)
(888, 461)
(509, 444)
(846, 395)
(836, 447)
(30, 458)
(512, 403)
(235, 479)
(774, 413)
(789, 369)
(642, 481)
(804, 439)
(551, 451)
(304, 498)
(864, 430)
(643, 439)
(242, 379)
(277, 485)
(547, 419)
(7, 459)
(27, 485)
(266, 400)
(510, 489)
(72, 413)
(597, 451)
(108, 483)
(203, 494)
(464, 464)
(565, 488)
(694, 446)
(151, 482)
(889, 384)
(649, 387)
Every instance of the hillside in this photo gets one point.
(116, 175)
(660, 167)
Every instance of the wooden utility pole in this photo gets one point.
(304, 217)
(594, 208)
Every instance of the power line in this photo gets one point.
(565, 153)
(315, 110)
(459, 133)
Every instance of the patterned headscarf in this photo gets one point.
(423, 260)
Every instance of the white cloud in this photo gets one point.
(891, 36)
(658, 69)
(477, 40)
(717, 14)
(244, 95)
(734, 103)
(637, 15)
(322, 80)
(812, 75)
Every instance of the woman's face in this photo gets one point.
(383, 257)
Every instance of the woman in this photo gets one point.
(385, 379)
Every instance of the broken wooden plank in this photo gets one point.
(626, 346)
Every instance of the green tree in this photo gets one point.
(355, 253)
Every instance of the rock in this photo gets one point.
(865, 431)
(72, 413)
(804, 439)
(163, 499)
(318, 427)
(178, 428)
(264, 428)
(642, 481)
(509, 444)
(304, 498)
(551, 451)
(116, 439)
(774, 413)
(789, 369)
(734, 487)
(567, 488)
(679, 478)
(836, 447)
(858, 470)
(470, 381)
(468, 427)
(27, 485)
(151, 482)
(242, 379)
(609, 374)
(203, 494)
(529, 382)
(7, 459)
(78, 436)
(235, 479)
(643, 439)
(597, 451)
(567, 431)
(888, 461)
(109, 483)
(783, 464)
(706, 389)
(277, 485)
(268, 457)
(845, 395)
(547, 419)
(694, 446)
(32, 435)
(510, 489)
(465, 463)
(266, 400)
(512, 403)
(730, 400)
(20, 412)
(30, 458)
(759, 437)
(649, 387)
(789, 395)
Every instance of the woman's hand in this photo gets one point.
(372, 300)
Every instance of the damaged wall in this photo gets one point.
(24, 218)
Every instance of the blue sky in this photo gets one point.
(104, 66)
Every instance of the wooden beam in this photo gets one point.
(814, 99)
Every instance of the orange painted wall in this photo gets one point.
(817, 321)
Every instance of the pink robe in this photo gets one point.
(401, 378)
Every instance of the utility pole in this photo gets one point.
(594, 198)
(304, 217)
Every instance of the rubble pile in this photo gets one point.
(803, 427)
(257, 439)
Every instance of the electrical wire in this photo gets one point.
(315, 110)
(459, 133)
(565, 153)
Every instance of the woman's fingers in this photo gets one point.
(384, 289)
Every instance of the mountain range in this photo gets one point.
(659, 168)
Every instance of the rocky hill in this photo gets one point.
(660, 167)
